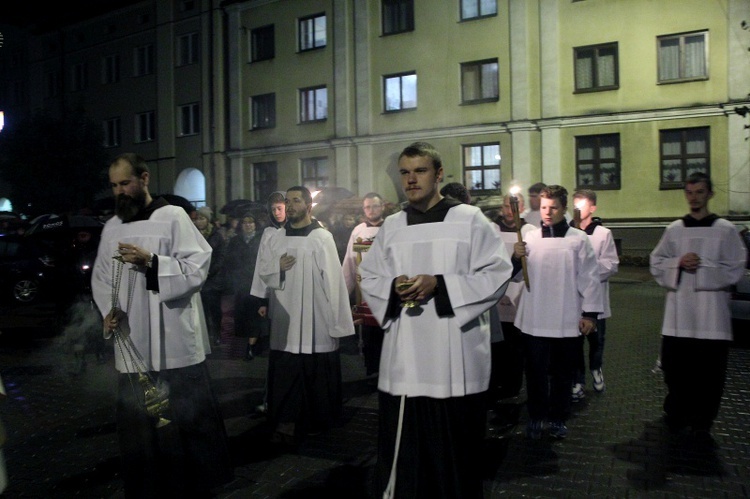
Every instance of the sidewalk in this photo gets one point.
(62, 444)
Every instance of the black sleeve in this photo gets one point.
(152, 275)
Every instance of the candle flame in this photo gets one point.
(515, 190)
(579, 204)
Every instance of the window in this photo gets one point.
(472, 9)
(313, 104)
(312, 32)
(598, 161)
(262, 44)
(53, 84)
(398, 16)
(187, 46)
(400, 92)
(264, 179)
(262, 111)
(683, 152)
(479, 82)
(143, 60)
(190, 119)
(482, 167)
(145, 126)
(596, 67)
(315, 173)
(111, 69)
(683, 57)
(112, 132)
(80, 77)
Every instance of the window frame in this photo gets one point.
(304, 109)
(192, 112)
(149, 129)
(386, 12)
(112, 128)
(79, 77)
(683, 156)
(596, 87)
(188, 49)
(681, 78)
(301, 32)
(259, 43)
(596, 162)
(400, 77)
(483, 167)
(314, 182)
(269, 100)
(265, 178)
(143, 60)
(110, 69)
(480, 64)
(479, 15)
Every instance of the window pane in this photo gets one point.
(695, 60)
(392, 94)
(321, 104)
(492, 179)
(489, 7)
(473, 156)
(492, 154)
(474, 179)
(669, 59)
(489, 80)
(584, 68)
(469, 9)
(410, 91)
(471, 82)
(320, 31)
(606, 67)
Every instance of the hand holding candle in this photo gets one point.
(517, 220)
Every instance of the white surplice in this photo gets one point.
(564, 283)
(309, 306)
(697, 304)
(365, 233)
(424, 354)
(167, 327)
(606, 255)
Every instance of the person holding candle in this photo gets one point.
(562, 302)
(697, 260)
(601, 239)
(435, 363)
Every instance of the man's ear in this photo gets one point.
(145, 177)
(439, 175)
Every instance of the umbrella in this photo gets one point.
(84, 222)
(176, 200)
(49, 222)
(237, 207)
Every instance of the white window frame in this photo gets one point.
(145, 127)
(677, 65)
(189, 116)
(400, 104)
(313, 104)
(112, 132)
(319, 166)
(260, 120)
(188, 49)
(483, 158)
(311, 32)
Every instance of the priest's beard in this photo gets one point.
(127, 207)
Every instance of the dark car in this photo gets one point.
(29, 269)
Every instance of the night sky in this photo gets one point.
(45, 15)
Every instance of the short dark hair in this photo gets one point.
(137, 163)
(586, 194)
(556, 192)
(373, 195)
(306, 195)
(697, 177)
(275, 198)
(537, 187)
(423, 149)
(456, 191)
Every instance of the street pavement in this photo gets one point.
(61, 440)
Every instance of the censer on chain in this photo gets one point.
(155, 400)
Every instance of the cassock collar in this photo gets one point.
(435, 214)
(368, 224)
(146, 212)
(557, 230)
(595, 222)
(303, 231)
(706, 221)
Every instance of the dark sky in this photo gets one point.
(50, 13)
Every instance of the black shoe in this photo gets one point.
(249, 353)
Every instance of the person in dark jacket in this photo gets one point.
(242, 253)
(212, 289)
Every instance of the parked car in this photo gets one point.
(28, 270)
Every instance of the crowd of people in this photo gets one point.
(456, 307)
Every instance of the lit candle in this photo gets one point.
(577, 213)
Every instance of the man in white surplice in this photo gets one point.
(166, 261)
(697, 260)
(435, 362)
(309, 311)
